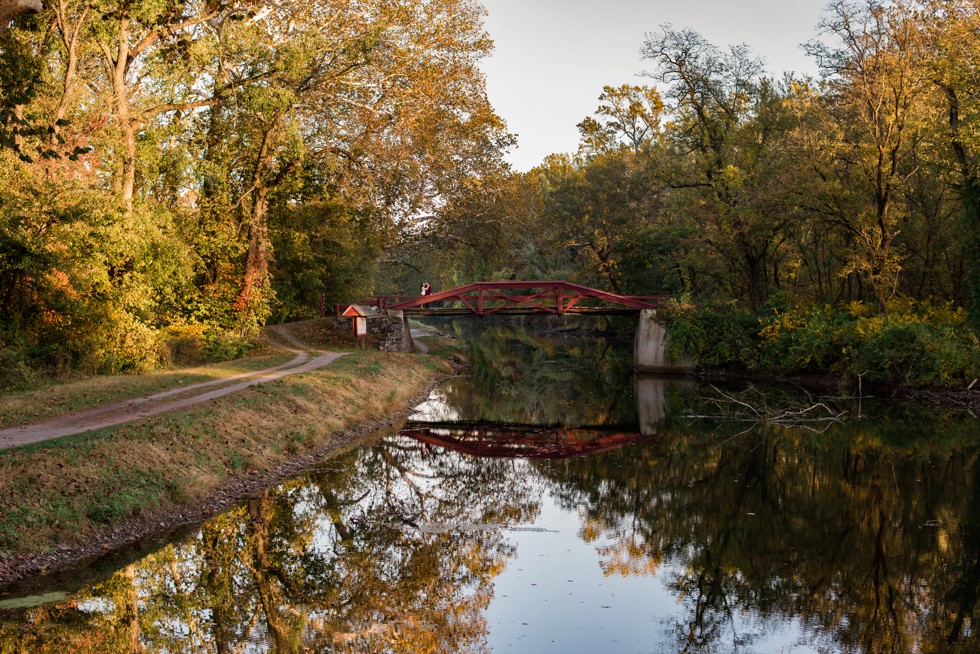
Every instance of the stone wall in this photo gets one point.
(392, 331)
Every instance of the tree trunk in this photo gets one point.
(129, 162)
(124, 179)
(970, 192)
(269, 591)
(971, 206)
(256, 274)
(69, 38)
(131, 610)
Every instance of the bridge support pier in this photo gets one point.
(397, 337)
(652, 345)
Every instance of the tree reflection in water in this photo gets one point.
(870, 548)
(523, 375)
(387, 549)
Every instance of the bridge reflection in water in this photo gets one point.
(551, 441)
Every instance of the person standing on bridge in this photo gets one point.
(426, 289)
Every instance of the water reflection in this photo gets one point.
(522, 375)
(870, 549)
(657, 399)
(862, 538)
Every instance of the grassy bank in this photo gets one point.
(69, 492)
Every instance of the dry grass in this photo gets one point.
(17, 408)
(65, 491)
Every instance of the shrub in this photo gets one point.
(127, 345)
(918, 354)
(221, 345)
(714, 338)
(15, 370)
(183, 344)
(805, 341)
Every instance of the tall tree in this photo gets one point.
(141, 44)
(726, 131)
(387, 108)
(876, 87)
(627, 114)
(952, 34)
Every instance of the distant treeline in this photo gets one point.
(720, 181)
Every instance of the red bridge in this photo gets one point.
(521, 298)
(541, 298)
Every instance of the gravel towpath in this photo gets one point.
(170, 400)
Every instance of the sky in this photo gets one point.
(552, 57)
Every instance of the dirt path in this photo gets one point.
(419, 345)
(282, 331)
(154, 404)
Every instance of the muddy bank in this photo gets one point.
(19, 567)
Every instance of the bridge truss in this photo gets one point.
(522, 298)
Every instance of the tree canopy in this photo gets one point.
(155, 153)
(178, 166)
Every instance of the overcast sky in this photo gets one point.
(553, 57)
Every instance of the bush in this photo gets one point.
(127, 345)
(918, 354)
(714, 338)
(15, 371)
(813, 341)
(220, 345)
(183, 345)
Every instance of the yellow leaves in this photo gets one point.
(859, 309)
(591, 529)
(629, 557)
(782, 323)
(734, 177)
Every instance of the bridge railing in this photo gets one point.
(514, 297)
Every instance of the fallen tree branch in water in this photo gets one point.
(752, 406)
(963, 399)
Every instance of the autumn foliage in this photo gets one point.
(172, 167)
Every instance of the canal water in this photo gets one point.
(549, 501)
